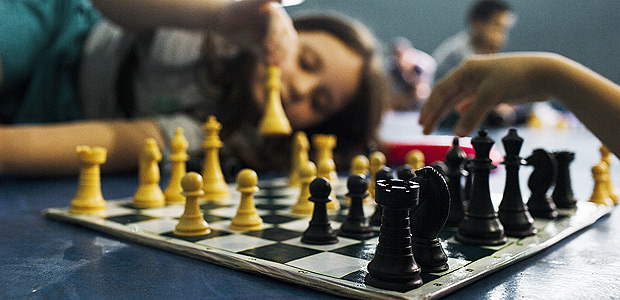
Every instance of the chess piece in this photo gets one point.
(611, 190)
(562, 195)
(543, 176)
(299, 155)
(513, 213)
(405, 172)
(356, 224)
(215, 186)
(179, 156)
(481, 225)
(377, 161)
(427, 220)
(385, 173)
(274, 121)
(600, 195)
(393, 267)
(88, 199)
(192, 222)
(360, 165)
(307, 173)
(325, 167)
(324, 145)
(415, 158)
(455, 159)
(247, 218)
(149, 194)
(319, 231)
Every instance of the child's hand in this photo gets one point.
(481, 84)
(261, 26)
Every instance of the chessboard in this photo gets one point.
(277, 251)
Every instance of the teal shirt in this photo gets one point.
(40, 47)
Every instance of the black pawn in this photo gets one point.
(562, 195)
(481, 226)
(428, 218)
(393, 266)
(541, 179)
(513, 213)
(356, 224)
(405, 172)
(320, 231)
(384, 173)
(455, 160)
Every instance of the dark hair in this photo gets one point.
(355, 126)
(485, 9)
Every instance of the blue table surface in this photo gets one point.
(40, 258)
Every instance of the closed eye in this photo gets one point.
(309, 59)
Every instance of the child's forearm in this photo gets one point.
(47, 150)
(594, 99)
(148, 14)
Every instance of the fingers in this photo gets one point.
(446, 94)
(474, 113)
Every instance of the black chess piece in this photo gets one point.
(393, 267)
(481, 226)
(356, 224)
(541, 179)
(319, 231)
(513, 213)
(384, 173)
(405, 172)
(428, 218)
(455, 159)
(562, 195)
(469, 177)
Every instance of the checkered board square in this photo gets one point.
(277, 250)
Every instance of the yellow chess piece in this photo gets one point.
(88, 199)
(599, 192)
(149, 194)
(359, 165)
(533, 121)
(247, 218)
(274, 120)
(324, 145)
(192, 222)
(415, 158)
(611, 190)
(299, 155)
(377, 161)
(324, 168)
(179, 156)
(307, 173)
(215, 186)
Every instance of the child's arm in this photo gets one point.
(44, 150)
(482, 83)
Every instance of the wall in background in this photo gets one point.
(586, 31)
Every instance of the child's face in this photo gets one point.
(494, 32)
(321, 82)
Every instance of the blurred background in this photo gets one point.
(585, 31)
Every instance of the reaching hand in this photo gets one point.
(261, 26)
(478, 86)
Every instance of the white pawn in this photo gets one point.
(307, 173)
(88, 199)
(179, 156)
(149, 193)
(324, 145)
(377, 161)
(415, 158)
(359, 165)
(192, 222)
(247, 218)
(324, 168)
(299, 155)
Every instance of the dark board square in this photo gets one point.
(280, 253)
(427, 277)
(269, 196)
(357, 276)
(272, 206)
(274, 234)
(193, 239)
(277, 219)
(211, 218)
(128, 219)
(447, 232)
(210, 205)
(365, 251)
(467, 252)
